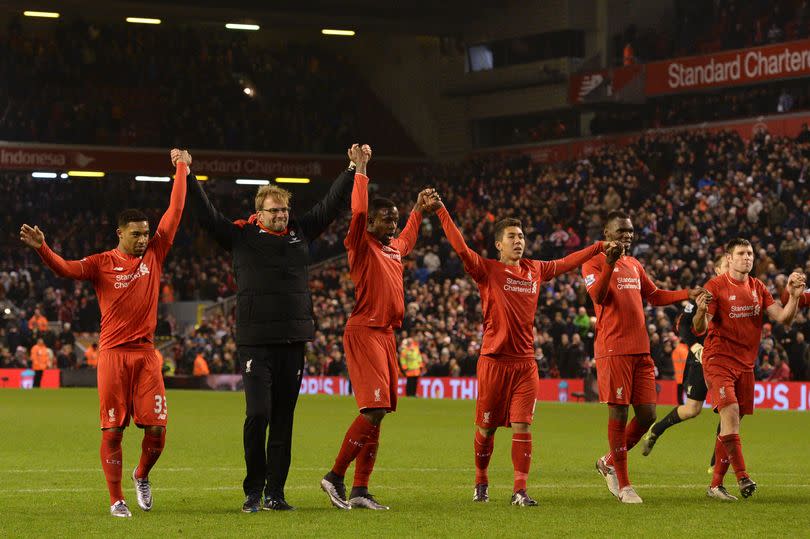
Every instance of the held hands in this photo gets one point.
(360, 156)
(614, 251)
(694, 293)
(180, 155)
(428, 201)
(32, 237)
(702, 301)
(796, 284)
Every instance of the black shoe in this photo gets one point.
(747, 486)
(253, 503)
(481, 493)
(276, 504)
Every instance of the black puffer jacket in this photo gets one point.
(274, 304)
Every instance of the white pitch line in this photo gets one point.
(422, 488)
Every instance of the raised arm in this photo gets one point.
(572, 261)
(357, 227)
(210, 218)
(320, 216)
(170, 221)
(786, 314)
(656, 296)
(473, 262)
(84, 269)
(407, 239)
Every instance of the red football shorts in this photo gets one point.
(728, 385)
(371, 355)
(130, 383)
(507, 392)
(626, 379)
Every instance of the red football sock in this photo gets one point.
(151, 448)
(633, 433)
(483, 453)
(353, 442)
(735, 456)
(111, 455)
(364, 464)
(521, 458)
(721, 463)
(618, 450)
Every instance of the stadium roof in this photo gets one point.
(423, 17)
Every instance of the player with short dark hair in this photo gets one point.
(507, 370)
(375, 266)
(617, 284)
(734, 320)
(130, 380)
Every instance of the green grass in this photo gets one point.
(51, 482)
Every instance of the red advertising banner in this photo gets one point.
(62, 158)
(767, 395)
(24, 378)
(729, 68)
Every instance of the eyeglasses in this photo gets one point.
(273, 211)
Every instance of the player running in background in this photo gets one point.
(617, 284)
(693, 380)
(507, 370)
(734, 320)
(130, 381)
(375, 266)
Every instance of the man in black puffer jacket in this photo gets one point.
(274, 319)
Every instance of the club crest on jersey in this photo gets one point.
(143, 269)
(248, 365)
(377, 396)
(111, 414)
(487, 415)
(619, 392)
(722, 392)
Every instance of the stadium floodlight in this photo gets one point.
(251, 181)
(292, 180)
(334, 32)
(42, 14)
(85, 174)
(46, 175)
(152, 179)
(143, 20)
(239, 26)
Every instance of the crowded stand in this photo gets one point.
(232, 93)
(690, 191)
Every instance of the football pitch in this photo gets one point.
(51, 484)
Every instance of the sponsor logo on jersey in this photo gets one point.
(119, 268)
(589, 280)
(732, 297)
(123, 281)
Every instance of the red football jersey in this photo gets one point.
(621, 327)
(509, 294)
(128, 287)
(376, 269)
(735, 330)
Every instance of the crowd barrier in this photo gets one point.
(767, 395)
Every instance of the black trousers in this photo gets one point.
(410, 386)
(272, 379)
